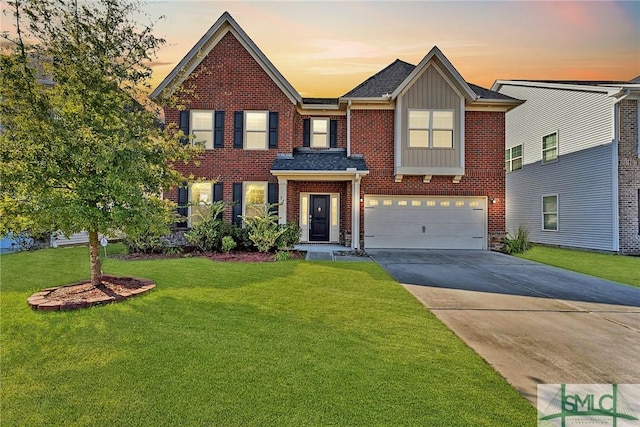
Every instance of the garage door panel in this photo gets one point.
(425, 222)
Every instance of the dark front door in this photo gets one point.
(319, 219)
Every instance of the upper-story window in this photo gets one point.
(550, 148)
(319, 133)
(513, 158)
(206, 126)
(256, 130)
(431, 128)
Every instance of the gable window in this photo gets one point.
(513, 158)
(550, 212)
(550, 148)
(256, 129)
(430, 129)
(320, 133)
(255, 198)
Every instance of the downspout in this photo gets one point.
(349, 128)
(614, 172)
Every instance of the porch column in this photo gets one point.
(355, 212)
(282, 195)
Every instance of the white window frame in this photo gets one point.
(192, 202)
(245, 184)
(431, 129)
(313, 133)
(210, 130)
(509, 161)
(544, 150)
(556, 213)
(265, 131)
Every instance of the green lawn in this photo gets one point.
(215, 344)
(619, 268)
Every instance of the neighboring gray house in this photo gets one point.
(573, 163)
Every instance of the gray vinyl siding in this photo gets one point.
(583, 182)
(582, 119)
(432, 92)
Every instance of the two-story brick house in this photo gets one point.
(410, 158)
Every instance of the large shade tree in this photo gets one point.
(79, 150)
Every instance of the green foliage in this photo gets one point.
(290, 237)
(145, 243)
(228, 244)
(207, 235)
(80, 152)
(264, 230)
(519, 243)
(283, 256)
(241, 237)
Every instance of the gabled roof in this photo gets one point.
(221, 27)
(306, 159)
(383, 82)
(489, 94)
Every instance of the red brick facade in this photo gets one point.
(229, 79)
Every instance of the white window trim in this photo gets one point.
(244, 193)
(311, 137)
(431, 129)
(511, 158)
(246, 132)
(557, 212)
(557, 134)
(212, 130)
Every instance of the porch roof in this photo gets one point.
(310, 160)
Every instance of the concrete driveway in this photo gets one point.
(533, 323)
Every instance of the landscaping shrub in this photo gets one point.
(518, 243)
(228, 244)
(241, 237)
(207, 235)
(264, 230)
(146, 243)
(290, 237)
(282, 256)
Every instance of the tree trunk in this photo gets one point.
(94, 254)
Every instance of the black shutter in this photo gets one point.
(238, 129)
(333, 134)
(183, 200)
(183, 124)
(273, 129)
(218, 130)
(306, 133)
(272, 196)
(217, 192)
(237, 204)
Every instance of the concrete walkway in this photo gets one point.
(328, 252)
(533, 323)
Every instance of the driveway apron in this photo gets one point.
(535, 324)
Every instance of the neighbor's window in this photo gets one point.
(550, 212)
(202, 127)
(201, 197)
(255, 198)
(319, 133)
(550, 148)
(513, 158)
(430, 129)
(256, 130)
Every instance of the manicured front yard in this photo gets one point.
(290, 343)
(623, 269)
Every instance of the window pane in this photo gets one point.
(201, 192)
(419, 138)
(550, 221)
(550, 204)
(203, 136)
(507, 154)
(549, 155)
(255, 194)
(549, 141)
(516, 164)
(256, 121)
(202, 120)
(319, 126)
(418, 119)
(319, 141)
(443, 119)
(516, 151)
(256, 141)
(442, 138)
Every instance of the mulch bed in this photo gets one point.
(84, 294)
(241, 256)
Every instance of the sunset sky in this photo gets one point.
(326, 48)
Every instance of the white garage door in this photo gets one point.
(423, 222)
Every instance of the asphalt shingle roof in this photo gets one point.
(314, 160)
(387, 80)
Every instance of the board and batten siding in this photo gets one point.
(582, 181)
(431, 91)
(582, 119)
